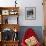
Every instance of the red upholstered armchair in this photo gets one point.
(30, 38)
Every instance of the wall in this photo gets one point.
(7, 3)
(39, 13)
(25, 3)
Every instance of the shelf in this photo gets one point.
(8, 15)
(6, 12)
(10, 26)
(9, 10)
(10, 19)
(11, 41)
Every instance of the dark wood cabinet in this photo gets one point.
(6, 12)
(5, 26)
(10, 43)
(0, 43)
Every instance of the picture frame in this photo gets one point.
(5, 12)
(13, 12)
(30, 13)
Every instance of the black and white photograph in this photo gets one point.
(30, 13)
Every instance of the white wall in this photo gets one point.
(27, 3)
(7, 3)
(39, 12)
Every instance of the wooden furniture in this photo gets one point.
(44, 36)
(44, 8)
(8, 11)
(10, 43)
(5, 23)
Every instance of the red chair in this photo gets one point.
(29, 33)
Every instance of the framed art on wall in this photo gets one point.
(30, 13)
(5, 12)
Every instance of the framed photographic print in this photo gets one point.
(5, 12)
(30, 13)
